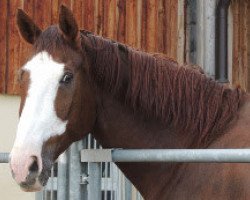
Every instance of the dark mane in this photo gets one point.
(177, 95)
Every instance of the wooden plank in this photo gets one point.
(174, 28)
(139, 24)
(42, 14)
(88, 16)
(109, 14)
(131, 22)
(121, 21)
(235, 74)
(180, 44)
(3, 45)
(54, 11)
(96, 5)
(248, 45)
(240, 64)
(77, 7)
(166, 27)
(100, 17)
(170, 39)
(13, 49)
(151, 24)
(161, 25)
(243, 44)
(112, 26)
(25, 48)
(105, 18)
(143, 26)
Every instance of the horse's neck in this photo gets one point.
(118, 127)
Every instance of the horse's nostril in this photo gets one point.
(34, 166)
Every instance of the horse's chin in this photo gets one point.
(32, 188)
(38, 182)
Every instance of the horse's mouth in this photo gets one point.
(36, 184)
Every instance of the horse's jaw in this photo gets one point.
(34, 188)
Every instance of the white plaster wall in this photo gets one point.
(9, 190)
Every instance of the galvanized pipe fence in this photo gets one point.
(4, 157)
(167, 155)
(76, 180)
(86, 171)
(157, 155)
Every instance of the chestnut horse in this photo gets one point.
(75, 83)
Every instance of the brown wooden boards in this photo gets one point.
(240, 64)
(148, 25)
(3, 45)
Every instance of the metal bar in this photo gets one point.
(96, 155)
(4, 157)
(128, 189)
(75, 171)
(94, 186)
(52, 184)
(221, 45)
(171, 155)
(62, 180)
(45, 194)
(183, 155)
(105, 176)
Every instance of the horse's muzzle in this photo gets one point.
(26, 170)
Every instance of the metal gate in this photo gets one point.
(72, 179)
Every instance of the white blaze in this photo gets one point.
(38, 121)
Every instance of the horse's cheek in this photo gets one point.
(63, 103)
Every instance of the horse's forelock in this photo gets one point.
(51, 41)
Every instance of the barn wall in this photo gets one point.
(248, 45)
(240, 45)
(153, 25)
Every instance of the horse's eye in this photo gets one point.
(67, 78)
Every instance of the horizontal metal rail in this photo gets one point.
(4, 157)
(160, 155)
(167, 155)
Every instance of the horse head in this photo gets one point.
(57, 101)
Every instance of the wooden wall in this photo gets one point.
(241, 44)
(150, 25)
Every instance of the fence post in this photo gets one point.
(77, 190)
(94, 186)
(62, 178)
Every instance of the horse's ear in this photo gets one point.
(67, 23)
(27, 28)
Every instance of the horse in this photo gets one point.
(75, 83)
